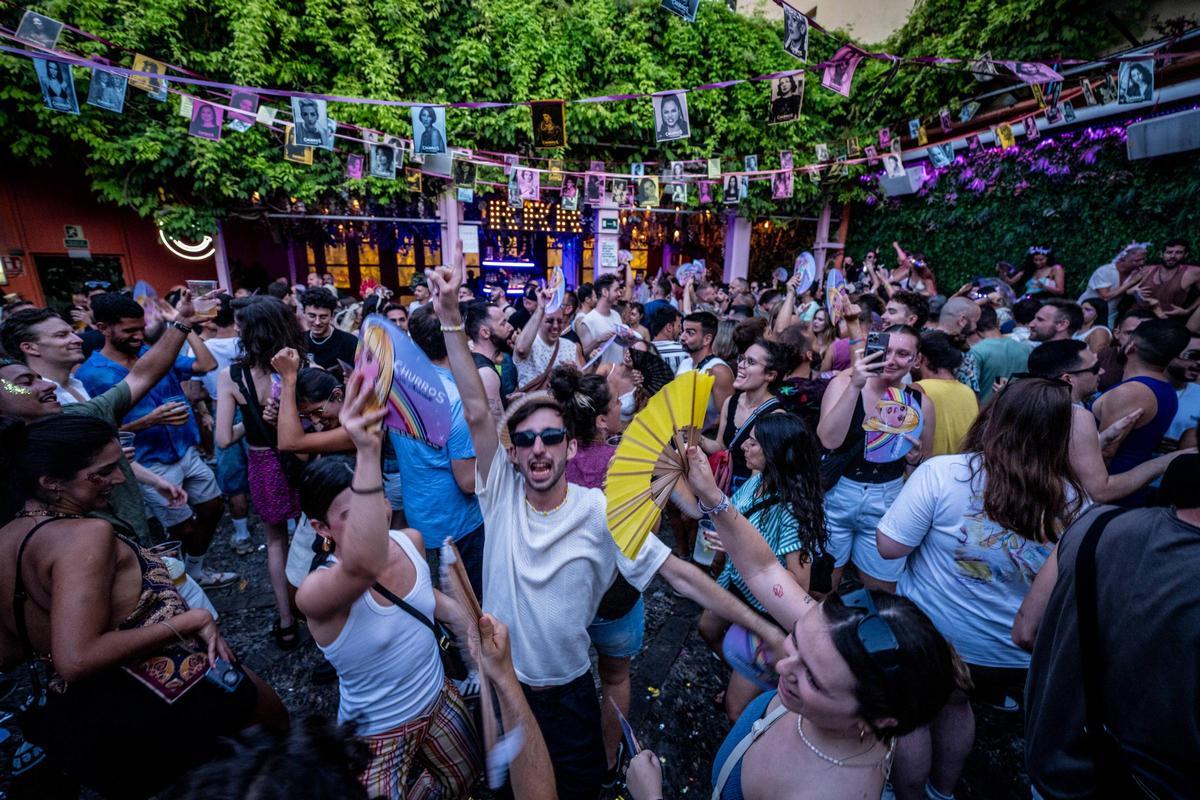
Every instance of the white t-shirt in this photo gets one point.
(1105, 277)
(598, 325)
(967, 573)
(1188, 415)
(70, 392)
(539, 356)
(224, 351)
(544, 574)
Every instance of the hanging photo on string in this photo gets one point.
(1089, 95)
(893, 165)
(383, 161)
(1135, 82)
(156, 88)
(554, 171)
(292, 151)
(984, 69)
(58, 85)
(549, 123)
(647, 192)
(885, 138)
(787, 97)
(246, 104)
(782, 184)
(464, 173)
(785, 159)
(594, 188)
(569, 194)
(714, 168)
(679, 193)
(684, 8)
(206, 121)
(1031, 72)
(412, 179)
(822, 151)
(527, 184)
(107, 90)
(429, 129)
(1005, 136)
(671, 117)
(730, 193)
(311, 120)
(354, 167)
(941, 155)
(839, 73)
(705, 192)
(968, 111)
(872, 155)
(39, 30)
(1068, 111)
(795, 33)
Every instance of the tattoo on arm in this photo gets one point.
(777, 589)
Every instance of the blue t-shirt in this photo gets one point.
(165, 444)
(433, 503)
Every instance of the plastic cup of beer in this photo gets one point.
(702, 554)
(206, 307)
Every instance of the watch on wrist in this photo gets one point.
(180, 326)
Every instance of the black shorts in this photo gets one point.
(993, 684)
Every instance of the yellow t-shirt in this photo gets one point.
(955, 408)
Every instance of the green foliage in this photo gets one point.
(427, 50)
(1085, 201)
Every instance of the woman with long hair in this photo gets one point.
(823, 337)
(265, 325)
(859, 670)
(976, 528)
(128, 707)
(370, 606)
(1041, 273)
(1095, 333)
(783, 501)
(760, 372)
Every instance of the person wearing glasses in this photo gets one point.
(860, 670)
(550, 556)
(248, 385)
(540, 346)
(972, 530)
(1072, 362)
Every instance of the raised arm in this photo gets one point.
(160, 358)
(524, 345)
(289, 429)
(841, 398)
(444, 283)
(1088, 463)
(776, 588)
(362, 549)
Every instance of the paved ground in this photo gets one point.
(674, 681)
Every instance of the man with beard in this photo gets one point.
(488, 331)
(166, 431)
(1171, 285)
(26, 395)
(549, 558)
(959, 317)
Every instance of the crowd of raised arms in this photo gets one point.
(908, 500)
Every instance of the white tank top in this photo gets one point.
(712, 414)
(388, 665)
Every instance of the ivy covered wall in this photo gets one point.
(1077, 193)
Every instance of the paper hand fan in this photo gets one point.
(403, 379)
(806, 267)
(652, 458)
(893, 429)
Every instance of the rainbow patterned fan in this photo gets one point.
(404, 379)
(652, 458)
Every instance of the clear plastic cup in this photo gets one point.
(170, 549)
(702, 554)
(126, 439)
(206, 307)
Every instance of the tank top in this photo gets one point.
(859, 469)
(1170, 293)
(1141, 444)
(733, 443)
(705, 367)
(754, 712)
(388, 665)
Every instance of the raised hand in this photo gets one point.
(361, 423)
(287, 363)
(700, 478)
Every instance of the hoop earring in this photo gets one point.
(862, 734)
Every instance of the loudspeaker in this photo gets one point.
(1163, 135)
(909, 184)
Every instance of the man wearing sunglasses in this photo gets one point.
(1077, 367)
(549, 558)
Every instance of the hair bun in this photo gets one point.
(564, 382)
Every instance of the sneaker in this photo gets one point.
(213, 579)
(468, 686)
(1009, 705)
(241, 546)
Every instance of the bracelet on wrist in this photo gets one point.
(711, 511)
(453, 328)
(373, 490)
(173, 630)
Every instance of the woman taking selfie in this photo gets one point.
(140, 688)
(859, 670)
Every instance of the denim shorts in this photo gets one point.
(622, 637)
(232, 472)
(852, 513)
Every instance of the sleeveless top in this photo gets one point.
(713, 412)
(754, 712)
(859, 469)
(737, 459)
(1170, 293)
(1141, 444)
(388, 664)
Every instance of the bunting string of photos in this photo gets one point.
(306, 126)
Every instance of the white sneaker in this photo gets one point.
(242, 545)
(210, 579)
(468, 686)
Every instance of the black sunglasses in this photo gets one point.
(97, 285)
(549, 437)
(874, 634)
(1093, 369)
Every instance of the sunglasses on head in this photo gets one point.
(874, 634)
(549, 437)
(97, 285)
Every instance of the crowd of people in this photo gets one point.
(894, 511)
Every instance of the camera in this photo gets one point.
(225, 675)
